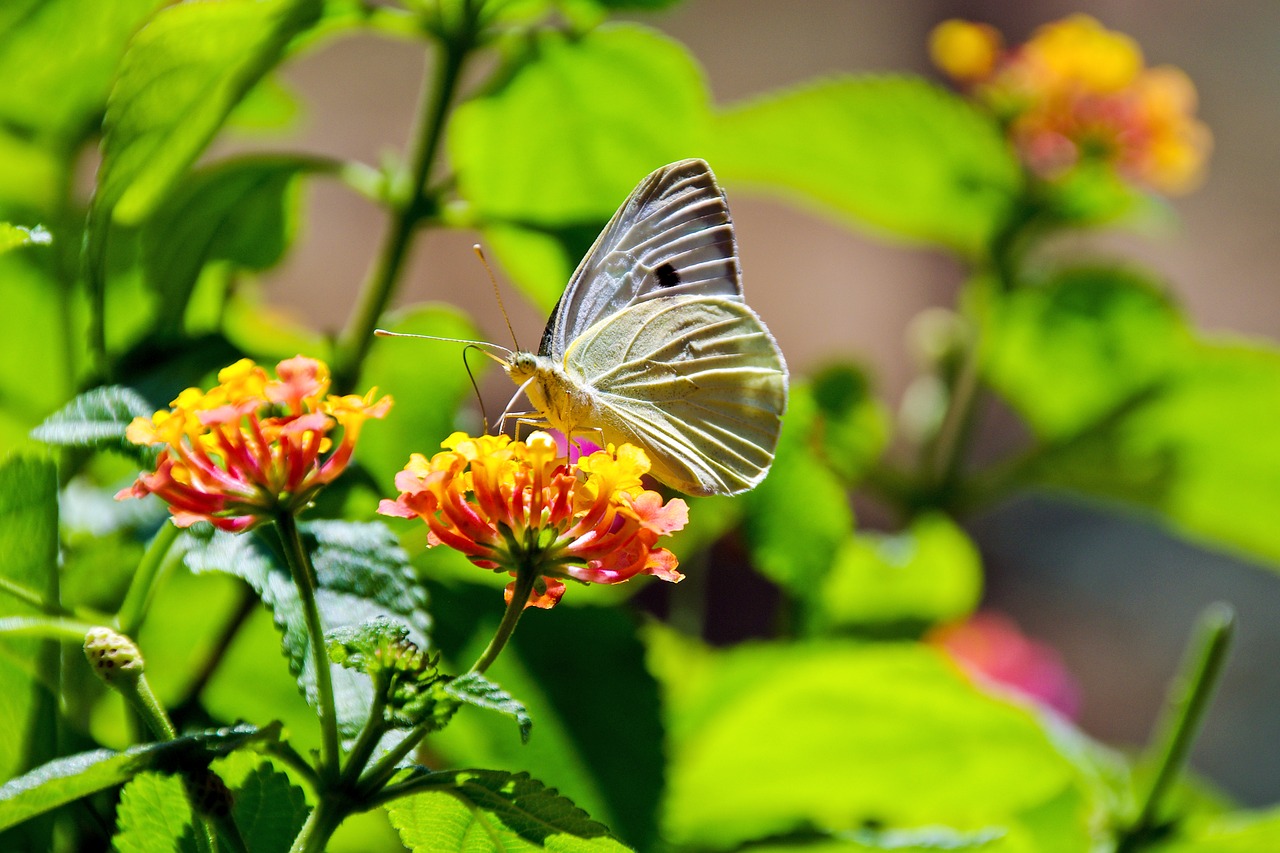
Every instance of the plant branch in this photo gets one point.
(134, 608)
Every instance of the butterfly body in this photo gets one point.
(652, 343)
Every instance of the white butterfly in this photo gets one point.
(652, 343)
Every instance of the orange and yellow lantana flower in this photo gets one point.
(1077, 92)
(519, 506)
(252, 446)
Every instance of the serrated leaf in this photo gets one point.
(481, 811)
(178, 81)
(474, 689)
(239, 211)
(268, 809)
(898, 155)
(98, 419)
(66, 779)
(362, 574)
(154, 816)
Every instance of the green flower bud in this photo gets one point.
(113, 656)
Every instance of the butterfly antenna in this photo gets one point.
(484, 414)
(497, 292)
(478, 345)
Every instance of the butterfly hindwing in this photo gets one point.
(672, 237)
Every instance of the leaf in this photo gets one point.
(16, 236)
(98, 419)
(929, 573)
(1239, 832)
(154, 816)
(179, 79)
(66, 779)
(559, 144)
(482, 810)
(850, 426)
(845, 736)
(474, 689)
(898, 155)
(268, 809)
(362, 574)
(239, 211)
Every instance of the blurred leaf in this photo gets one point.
(573, 669)
(1067, 352)
(16, 236)
(179, 79)
(556, 148)
(896, 154)
(66, 779)
(268, 107)
(154, 815)
(268, 809)
(474, 689)
(427, 379)
(799, 516)
(98, 419)
(362, 573)
(59, 95)
(851, 426)
(842, 737)
(1240, 832)
(928, 573)
(30, 176)
(239, 211)
(490, 810)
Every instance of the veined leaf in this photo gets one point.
(98, 419)
(898, 155)
(362, 574)
(268, 809)
(480, 810)
(66, 779)
(474, 689)
(154, 815)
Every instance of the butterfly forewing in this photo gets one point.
(672, 237)
(698, 382)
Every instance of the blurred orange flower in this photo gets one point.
(509, 505)
(1077, 92)
(252, 446)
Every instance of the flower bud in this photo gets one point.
(113, 656)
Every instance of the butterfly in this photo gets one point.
(652, 343)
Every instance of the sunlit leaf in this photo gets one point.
(154, 814)
(486, 810)
(1240, 832)
(473, 688)
(98, 419)
(267, 808)
(897, 155)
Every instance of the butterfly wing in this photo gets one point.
(698, 382)
(673, 236)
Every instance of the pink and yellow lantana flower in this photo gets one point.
(252, 446)
(519, 506)
(1077, 92)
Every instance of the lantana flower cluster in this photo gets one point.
(519, 506)
(1077, 92)
(252, 446)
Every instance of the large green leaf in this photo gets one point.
(154, 815)
(268, 809)
(896, 154)
(362, 574)
(844, 736)
(98, 418)
(547, 156)
(179, 79)
(482, 810)
(66, 779)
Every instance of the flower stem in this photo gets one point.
(526, 575)
(439, 92)
(1189, 696)
(134, 608)
(304, 578)
(146, 704)
(320, 826)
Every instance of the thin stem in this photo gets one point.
(377, 775)
(374, 728)
(1189, 696)
(957, 423)
(439, 90)
(526, 575)
(324, 819)
(291, 757)
(145, 702)
(134, 608)
(304, 578)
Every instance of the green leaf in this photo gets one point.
(268, 809)
(362, 574)
(474, 689)
(1239, 832)
(799, 516)
(154, 816)
(179, 79)
(482, 810)
(98, 419)
(558, 145)
(240, 211)
(845, 736)
(16, 236)
(66, 779)
(928, 573)
(850, 426)
(898, 155)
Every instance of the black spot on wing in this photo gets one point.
(667, 276)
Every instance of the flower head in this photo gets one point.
(1077, 92)
(511, 505)
(252, 445)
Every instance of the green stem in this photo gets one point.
(304, 579)
(526, 576)
(439, 90)
(134, 608)
(374, 728)
(1189, 696)
(145, 702)
(324, 819)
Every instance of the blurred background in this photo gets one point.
(1114, 594)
